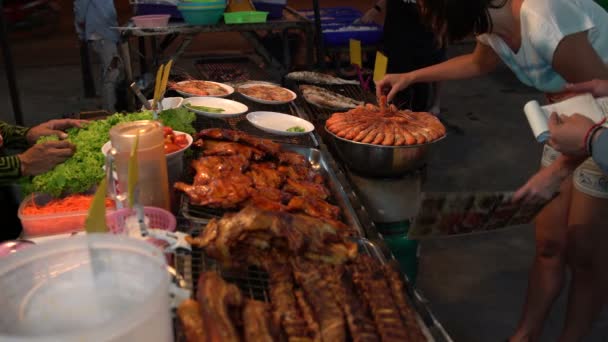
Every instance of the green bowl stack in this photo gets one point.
(202, 12)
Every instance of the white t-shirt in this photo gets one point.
(544, 23)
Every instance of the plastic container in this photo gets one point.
(95, 287)
(341, 38)
(152, 20)
(158, 8)
(245, 17)
(175, 160)
(206, 16)
(273, 7)
(152, 176)
(159, 219)
(50, 224)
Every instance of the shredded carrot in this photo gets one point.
(70, 203)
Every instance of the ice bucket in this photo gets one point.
(90, 288)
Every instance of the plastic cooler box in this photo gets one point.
(273, 7)
(340, 38)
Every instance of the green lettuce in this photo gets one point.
(83, 171)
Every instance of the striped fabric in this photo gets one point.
(544, 23)
(9, 169)
(13, 137)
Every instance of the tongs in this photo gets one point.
(160, 86)
(364, 81)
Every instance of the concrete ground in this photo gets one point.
(475, 285)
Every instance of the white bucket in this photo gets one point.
(90, 288)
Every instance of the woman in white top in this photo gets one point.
(546, 43)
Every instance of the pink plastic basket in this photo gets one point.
(159, 219)
(151, 20)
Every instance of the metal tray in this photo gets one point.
(254, 282)
(319, 162)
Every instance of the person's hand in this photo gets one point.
(596, 87)
(52, 127)
(393, 83)
(369, 16)
(568, 133)
(43, 157)
(540, 188)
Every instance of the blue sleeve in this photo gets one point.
(600, 150)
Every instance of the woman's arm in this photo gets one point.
(576, 60)
(372, 13)
(480, 62)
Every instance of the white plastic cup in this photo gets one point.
(97, 287)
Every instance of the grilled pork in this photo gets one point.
(216, 298)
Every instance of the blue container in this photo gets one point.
(210, 16)
(342, 38)
(275, 11)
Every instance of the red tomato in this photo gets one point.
(167, 130)
(180, 140)
(170, 148)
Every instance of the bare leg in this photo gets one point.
(587, 217)
(548, 270)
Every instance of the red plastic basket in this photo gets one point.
(159, 219)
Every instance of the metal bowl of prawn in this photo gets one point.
(378, 160)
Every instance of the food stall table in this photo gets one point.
(291, 21)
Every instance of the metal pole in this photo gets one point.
(10, 70)
(319, 35)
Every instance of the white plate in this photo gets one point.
(168, 103)
(258, 100)
(231, 108)
(228, 88)
(107, 146)
(278, 123)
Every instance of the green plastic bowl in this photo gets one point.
(202, 16)
(245, 17)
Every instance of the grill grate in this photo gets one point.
(253, 282)
(230, 69)
(319, 115)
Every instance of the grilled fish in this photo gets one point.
(327, 99)
(317, 78)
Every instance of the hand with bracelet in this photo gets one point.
(578, 135)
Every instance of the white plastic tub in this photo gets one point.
(90, 288)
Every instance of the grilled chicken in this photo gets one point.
(295, 234)
(189, 315)
(226, 148)
(216, 298)
(300, 173)
(314, 207)
(208, 168)
(265, 145)
(226, 192)
(256, 321)
(306, 189)
(293, 158)
(265, 175)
